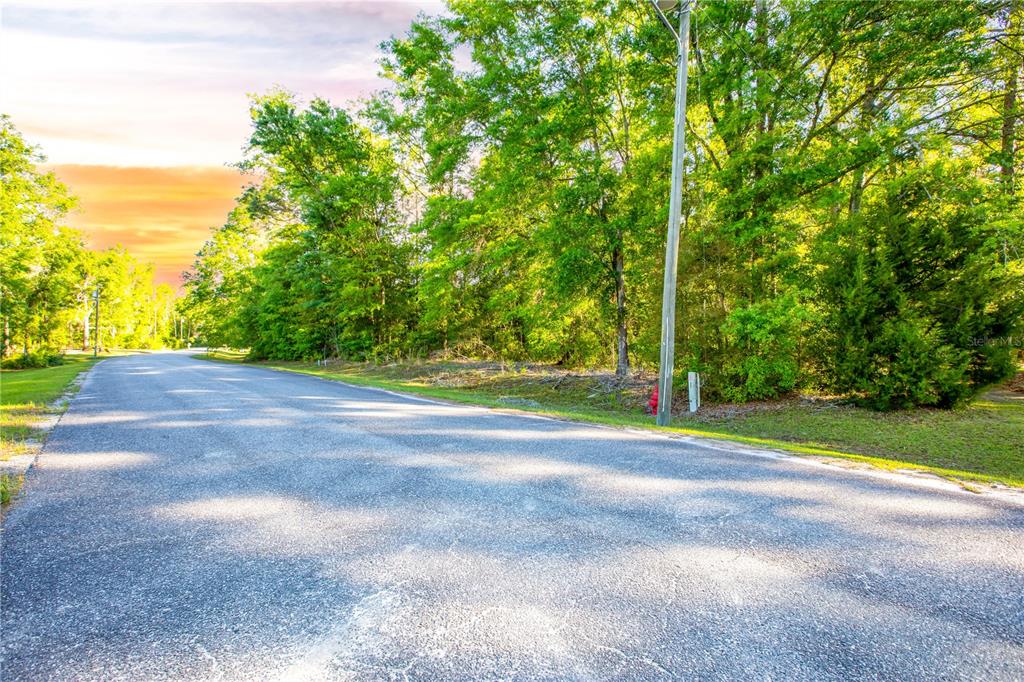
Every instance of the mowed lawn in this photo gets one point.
(981, 442)
(25, 398)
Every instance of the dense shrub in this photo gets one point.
(915, 299)
(763, 338)
(36, 359)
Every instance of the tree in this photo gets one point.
(506, 197)
(918, 301)
(38, 257)
(47, 276)
(334, 277)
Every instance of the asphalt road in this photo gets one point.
(193, 520)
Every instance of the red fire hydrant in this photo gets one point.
(652, 404)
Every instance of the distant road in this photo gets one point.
(194, 520)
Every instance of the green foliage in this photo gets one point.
(36, 359)
(333, 275)
(852, 218)
(221, 280)
(9, 487)
(765, 337)
(918, 298)
(48, 277)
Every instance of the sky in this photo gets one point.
(139, 107)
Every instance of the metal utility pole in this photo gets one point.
(96, 328)
(668, 297)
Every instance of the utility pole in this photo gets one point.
(96, 329)
(668, 296)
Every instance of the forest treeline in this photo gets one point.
(48, 277)
(851, 200)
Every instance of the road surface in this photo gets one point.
(194, 520)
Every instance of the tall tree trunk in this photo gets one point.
(867, 114)
(1008, 136)
(621, 346)
(85, 326)
(759, 245)
(1009, 133)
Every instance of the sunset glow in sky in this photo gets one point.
(140, 106)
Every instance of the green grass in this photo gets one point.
(25, 398)
(9, 486)
(983, 442)
(40, 386)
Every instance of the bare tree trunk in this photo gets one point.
(622, 347)
(85, 326)
(1009, 133)
(1008, 136)
(757, 246)
(761, 40)
(867, 114)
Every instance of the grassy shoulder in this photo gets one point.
(26, 396)
(26, 400)
(983, 442)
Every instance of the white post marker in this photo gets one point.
(693, 382)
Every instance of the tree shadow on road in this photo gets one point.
(339, 529)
